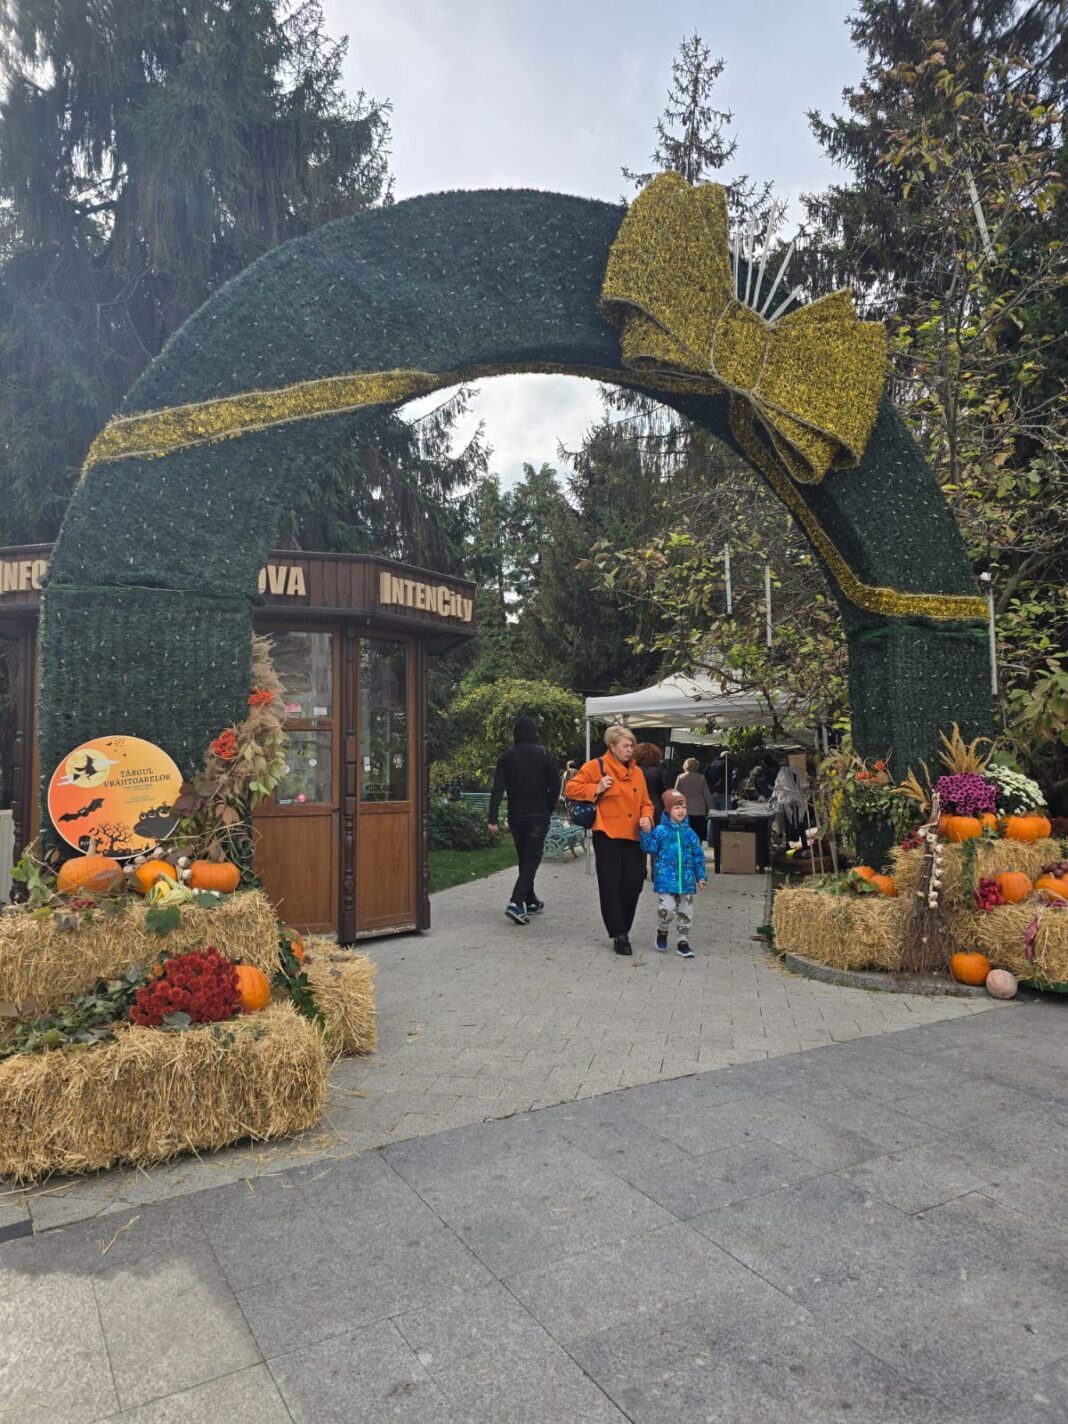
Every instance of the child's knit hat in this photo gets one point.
(672, 798)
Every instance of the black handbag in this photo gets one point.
(584, 813)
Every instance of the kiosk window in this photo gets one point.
(383, 720)
(304, 663)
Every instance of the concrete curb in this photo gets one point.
(876, 978)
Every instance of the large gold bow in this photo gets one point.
(813, 377)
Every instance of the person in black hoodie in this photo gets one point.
(530, 776)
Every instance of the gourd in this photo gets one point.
(884, 884)
(865, 872)
(1015, 886)
(145, 876)
(221, 875)
(296, 943)
(92, 874)
(252, 987)
(1000, 984)
(1054, 884)
(960, 828)
(1025, 828)
(969, 968)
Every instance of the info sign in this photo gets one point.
(116, 792)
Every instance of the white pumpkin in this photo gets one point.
(1000, 984)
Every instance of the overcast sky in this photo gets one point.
(560, 94)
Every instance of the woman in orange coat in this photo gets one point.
(623, 811)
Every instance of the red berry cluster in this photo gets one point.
(988, 895)
(913, 840)
(204, 986)
(225, 745)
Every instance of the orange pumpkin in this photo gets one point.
(1024, 828)
(1045, 829)
(1015, 886)
(989, 821)
(89, 874)
(296, 943)
(960, 828)
(1055, 884)
(145, 876)
(865, 872)
(969, 968)
(221, 875)
(884, 884)
(252, 987)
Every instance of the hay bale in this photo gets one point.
(842, 931)
(41, 961)
(992, 858)
(1001, 934)
(150, 1095)
(342, 982)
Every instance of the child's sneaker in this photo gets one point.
(683, 950)
(661, 941)
(517, 914)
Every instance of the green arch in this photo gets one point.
(153, 581)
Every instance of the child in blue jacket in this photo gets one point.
(678, 871)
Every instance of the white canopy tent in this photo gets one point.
(685, 702)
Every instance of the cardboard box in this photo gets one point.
(738, 853)
(797, 761)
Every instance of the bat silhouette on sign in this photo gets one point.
(88, 810)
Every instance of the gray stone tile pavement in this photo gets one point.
(480, 1019)
(669, 1252)
(868, 1229)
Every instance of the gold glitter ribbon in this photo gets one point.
(813, 377)
(890, 602)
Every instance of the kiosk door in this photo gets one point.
(297, 846)
(386, 857)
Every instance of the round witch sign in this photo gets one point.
(114, 794)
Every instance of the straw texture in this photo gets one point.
(342, 983)
(150, 1094)
(1001, 934)
(861, 932)
(992, 858)
(40, 961)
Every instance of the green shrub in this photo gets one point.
(455, 826)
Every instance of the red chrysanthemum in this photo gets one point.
(260, 697)
(204, 986)
(225, 745)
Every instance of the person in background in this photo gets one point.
(527, 772)
(678, 872)
(565, 776)
(764, 777)
(716, 779)
(650, 758)
(694, 789)
(617, 788)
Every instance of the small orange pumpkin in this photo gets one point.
(960, 828)
(1045, 829)
(1015, 886)
(145, 876)
(1055, 884)
(91, 874)
(969, 968)
(884, 884)
(296, 943)
(989, 821)
(865, 872)
(221, 875)
(252, 987)
(1024, 828)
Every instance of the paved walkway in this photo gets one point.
(871, 1232)
(481, 1019)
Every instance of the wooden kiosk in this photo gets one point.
(342, 847)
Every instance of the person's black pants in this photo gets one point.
(700, 825)
(529, 837)
(620, 876)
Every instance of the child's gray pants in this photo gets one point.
(675, 907)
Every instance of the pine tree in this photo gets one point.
(149, 150)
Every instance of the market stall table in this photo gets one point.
(755, 816)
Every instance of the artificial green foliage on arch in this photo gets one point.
(148, 607)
